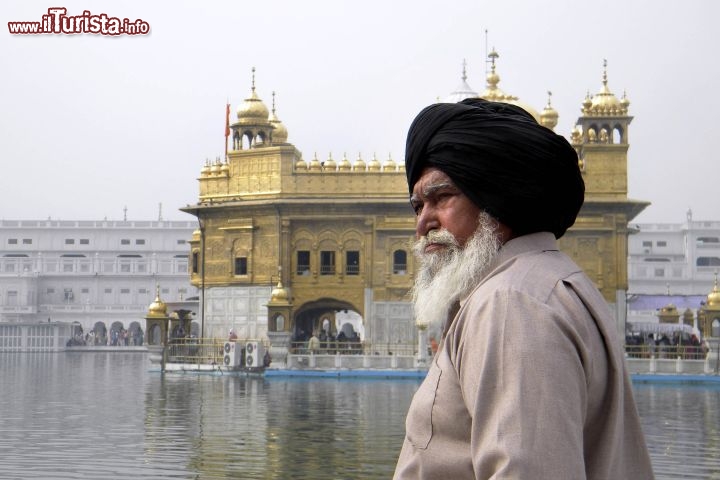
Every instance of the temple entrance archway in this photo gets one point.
(326, 317)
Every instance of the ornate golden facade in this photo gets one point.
(285, 244)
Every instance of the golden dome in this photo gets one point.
(280, 133)
(359, 165)
(494, 94)
(374, 165)
(253, 110)
(301, 164)
(669, 308)
(605, 103)
(713, 298)
(549, 116)
(225, 169)
(205, 169)
(389, 164)
(330, 163)
(345, 165)
(279, 295)
(158, 308)
(624, 101)
(576, 135)
(315, 165)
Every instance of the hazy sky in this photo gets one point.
(90, 124)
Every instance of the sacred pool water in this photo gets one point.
(105, 416)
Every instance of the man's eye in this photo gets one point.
(417, 208)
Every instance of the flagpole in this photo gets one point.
(227, 127)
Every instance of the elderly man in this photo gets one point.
(529, 380)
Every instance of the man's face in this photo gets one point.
(440, 204)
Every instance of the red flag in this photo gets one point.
(227, 120)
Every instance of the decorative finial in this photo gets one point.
(125, 213)
(464, 75)
(273, 102)
(549, 97)
(493, 55)
(604, 71)
(253, 79)
(667, 286)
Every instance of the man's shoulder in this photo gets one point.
(532, 270)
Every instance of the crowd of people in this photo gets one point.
(117, 338)
(327, 343)
(660, 345)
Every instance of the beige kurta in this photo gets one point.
(529, 381)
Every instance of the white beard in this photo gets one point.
(450, 275)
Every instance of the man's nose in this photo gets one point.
(426, 221)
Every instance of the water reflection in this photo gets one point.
(102, 415)
(235, 427)
(682, 427)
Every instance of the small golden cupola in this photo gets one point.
(345, 165)
(605, 103)
(494, 94)
(158, 308)
(389, 165)
(252, 111)
(713, 298)
(669, 313)
(315, 165)
(279, 132)
(205, 171)
(330, 164)
(301, 165)
(549, 116)
(374, 165)
(359, 165)
(279, 294)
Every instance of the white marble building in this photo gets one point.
(100, 274)
(671, 263)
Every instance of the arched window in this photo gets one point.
(715, 328)
(399, 262)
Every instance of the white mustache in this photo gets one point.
(439, 237)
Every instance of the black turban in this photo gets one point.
(523, 174)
